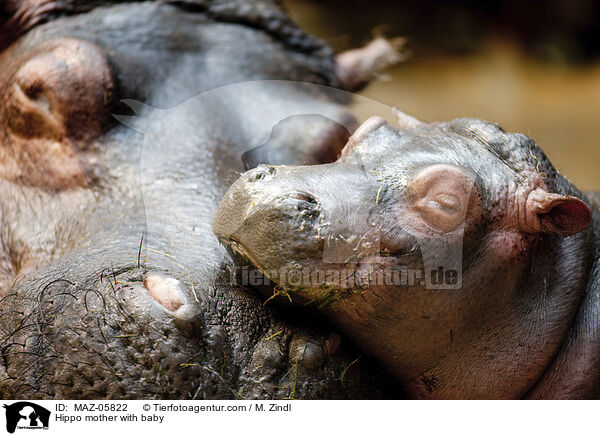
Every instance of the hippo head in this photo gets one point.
(415, 236)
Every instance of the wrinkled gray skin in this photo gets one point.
(526, 321)
(76, 317)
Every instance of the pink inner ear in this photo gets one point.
(555, 213)
(569, 218)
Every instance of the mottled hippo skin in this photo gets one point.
(520, 315)
(89, 309)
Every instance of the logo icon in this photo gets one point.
(26, 415)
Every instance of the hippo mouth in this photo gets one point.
(238, 248)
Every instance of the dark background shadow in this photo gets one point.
(531, 66)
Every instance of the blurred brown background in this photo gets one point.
(532, 66)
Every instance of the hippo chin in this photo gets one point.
(454, 253)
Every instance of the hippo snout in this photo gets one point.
(260, 216)
(258, 194)
(260, 173)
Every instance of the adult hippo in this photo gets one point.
(453, 252)
(112, 283)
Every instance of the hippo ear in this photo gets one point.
(361, 133)
(554, 213)
(405, 121)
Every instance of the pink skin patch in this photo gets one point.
(355, 68)
(58, 98)
(166, 290)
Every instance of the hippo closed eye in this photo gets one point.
(453, 252)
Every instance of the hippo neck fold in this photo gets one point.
(522, 353)
(574, 371)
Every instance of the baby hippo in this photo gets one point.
(453, 253)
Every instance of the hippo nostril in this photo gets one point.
(261, 172)
(303, 201)
(302, 196)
